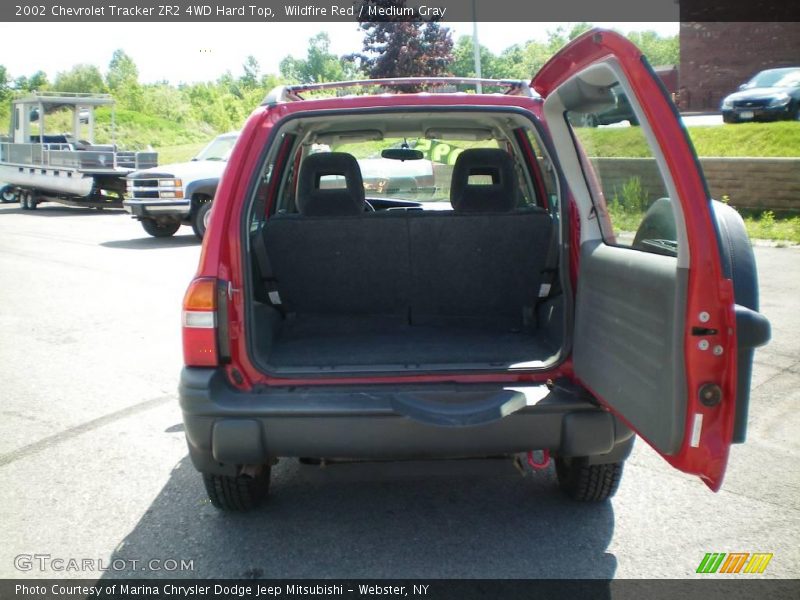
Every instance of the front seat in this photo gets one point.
(313, 200)
(501, 195)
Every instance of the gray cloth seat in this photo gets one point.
(469, 196)
(316, 200)
(483, 261)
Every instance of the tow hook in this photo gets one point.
(532, 463)
(541, 465)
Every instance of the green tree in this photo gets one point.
(122, 71)
(463, 64)
(252, 69)
(5, 79)
(81, 78)
(122, 79)
(320, 64)
(37, 81)
(658, 50)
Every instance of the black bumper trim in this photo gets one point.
(225, 427)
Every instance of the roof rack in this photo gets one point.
(65, 98)
(291, 93)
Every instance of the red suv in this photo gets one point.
(528, 296)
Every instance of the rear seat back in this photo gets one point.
(413, 264)
(477, 265)
(341, 265)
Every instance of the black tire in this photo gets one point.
(237, 494)
(588, 483)
(27, 201)
(8, 194)
(199, 219)
(160, 230)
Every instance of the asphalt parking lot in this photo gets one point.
(93, 462)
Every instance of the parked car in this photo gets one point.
(620, 110)
(771, 95)
(165, 197)
(329, 321)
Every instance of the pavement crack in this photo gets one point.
(792, 368)
(73, 432)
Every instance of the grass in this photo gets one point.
(133, 130)
(746, 139)
(768, 227)
(178, 153)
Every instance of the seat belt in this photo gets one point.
(550, 270)
(265, 269)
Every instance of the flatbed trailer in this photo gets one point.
(68, 168)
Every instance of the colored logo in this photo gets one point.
(734, 563)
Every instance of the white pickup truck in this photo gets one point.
(165, 197)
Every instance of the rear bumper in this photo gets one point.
(226, 428)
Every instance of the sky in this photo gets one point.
(191, 52)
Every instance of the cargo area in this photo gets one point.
(407, 290)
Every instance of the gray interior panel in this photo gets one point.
(628, 345)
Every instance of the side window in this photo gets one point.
(266, 183)
(628, 188)
(546, 171)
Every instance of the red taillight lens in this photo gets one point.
(199, 319)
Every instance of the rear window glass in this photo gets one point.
(425, 180)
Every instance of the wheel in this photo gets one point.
(239, 493)
(27, 201)
(160, 230)
(8, 194)
(200, 219)
(588, 483)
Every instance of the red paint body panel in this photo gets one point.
(225, 249)
(708, 290)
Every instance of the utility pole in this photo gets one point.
(476, 48)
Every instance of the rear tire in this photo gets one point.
(588, 483)
(200, 219)
(160, 230)
(237, 494)
(27, 201)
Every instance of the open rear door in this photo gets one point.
(656, 312)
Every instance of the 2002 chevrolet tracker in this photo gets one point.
(527, 296)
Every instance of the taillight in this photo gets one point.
(199, 319)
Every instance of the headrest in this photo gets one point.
(498, 196)
(316, 201)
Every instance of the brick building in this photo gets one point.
(718, 57)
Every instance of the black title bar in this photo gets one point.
(733, 588)
(274, 11)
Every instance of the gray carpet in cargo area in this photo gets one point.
(331, 341)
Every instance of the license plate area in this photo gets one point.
(746, 114)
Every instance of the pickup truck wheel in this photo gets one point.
(160, 230)
(200, 219)
(588, 483)
(237, 494)
(8, 194)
